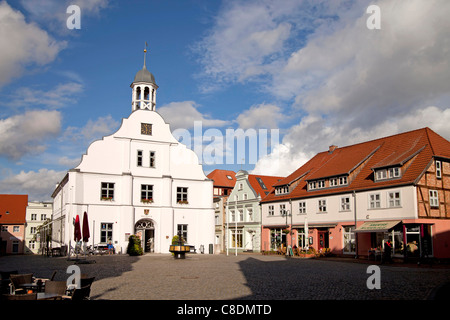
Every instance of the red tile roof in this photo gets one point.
(13, 208)
(220, 178)
(418, 146)
(262, 184)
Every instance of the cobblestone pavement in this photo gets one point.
(241, 277)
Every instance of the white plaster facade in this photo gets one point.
(112, 179)
(37, 214)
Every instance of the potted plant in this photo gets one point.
(147, 200)
(134, 246)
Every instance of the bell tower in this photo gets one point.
(143, 89)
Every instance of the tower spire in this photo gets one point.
(145, 53)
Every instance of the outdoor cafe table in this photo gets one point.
(35, 287)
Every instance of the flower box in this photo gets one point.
(106, 198)
(182, 202)
(147, 200)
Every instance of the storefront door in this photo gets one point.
(323, 239)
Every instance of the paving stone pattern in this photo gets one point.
(241, 277)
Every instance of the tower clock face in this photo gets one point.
(146, 128)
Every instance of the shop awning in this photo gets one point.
(377, 226)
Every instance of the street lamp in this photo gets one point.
(286, 213)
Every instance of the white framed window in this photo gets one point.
(302, 207)
(374, 201)
(33, 230)
(282, 190)
(236, 238)
(183, 230)
(394, 199)
(240, 186)
(107, 192)
(312, 185)
(342, 180)
(250, 214)
(282, 209)
(43, 217)
(152, 159)
(233, 215)
(106, 232)
(33, 217)
(381, 174)
(438, 169)
(321, 184)
(394, 172)
(146, 193)
(182, 195)
(139, 158)
(333, 182)
(434, 198)
(271, 210)
(241, 215)
(245, 196)
(322, 205)
(345, 203)
(349, 239)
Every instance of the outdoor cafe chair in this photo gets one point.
(82, 293)
(19, 279)
(57, 287)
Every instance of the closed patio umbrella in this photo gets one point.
(77, 232)
(86, 234)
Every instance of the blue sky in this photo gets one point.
(310, 69)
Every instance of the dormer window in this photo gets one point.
(321, 184)
(342, 180)
(312, 185)
(282, 190)
(390, 173)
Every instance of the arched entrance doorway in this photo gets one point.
(146, 229)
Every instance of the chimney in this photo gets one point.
(332, 148)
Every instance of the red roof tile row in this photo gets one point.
(413, 151)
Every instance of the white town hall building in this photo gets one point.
(139, 180)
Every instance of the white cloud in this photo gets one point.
(23, 44)
(352, 84)
(182, 115)
(52, 13)
(93, 130)
(27, 133)
(59, 96)
(260, 116)
(38, 185)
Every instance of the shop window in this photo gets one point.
(236, 238)
(349, 239)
